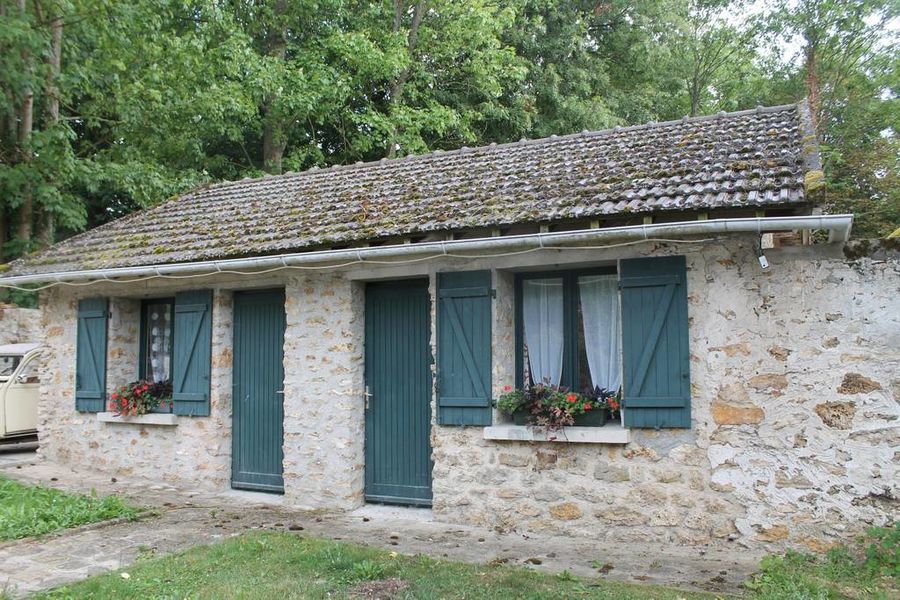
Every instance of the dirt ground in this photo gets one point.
(184, 518)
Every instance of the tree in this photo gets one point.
(848, 71)
(709, 49)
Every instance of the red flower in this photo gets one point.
(587, 406)
(613, 404)
(114, 396)
(572, 398)
(507, 388)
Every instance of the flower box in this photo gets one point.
(520, 417)
(554, 407)
(592, 418)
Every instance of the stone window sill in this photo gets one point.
(608, 434)
(163, 419)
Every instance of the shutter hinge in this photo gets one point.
(493, 292)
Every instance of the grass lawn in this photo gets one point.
(27, 510)
(281, 565)
(869, 569)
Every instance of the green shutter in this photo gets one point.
(464, 348)
(90, 355)
(191, 351)
(655, 351)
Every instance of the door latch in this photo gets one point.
(367, 395)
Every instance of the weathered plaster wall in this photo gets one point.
(19, 325)
(796, 383)
(324, 429)
(197, 451)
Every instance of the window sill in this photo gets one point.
(163, 419)
(608, 434)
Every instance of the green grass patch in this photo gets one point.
(27, 510)
(263, 565)
(869, 569)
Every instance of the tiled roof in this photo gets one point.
(755, 158)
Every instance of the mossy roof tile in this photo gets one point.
(748, 158)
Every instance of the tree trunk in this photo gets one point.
(695, 94)
(274, 134)
(396, 90)
(813, 89)
(47, 226)
(274, 142)
(26, 124)
(7, 143)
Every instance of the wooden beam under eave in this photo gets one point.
(704, 216)
(648, 220)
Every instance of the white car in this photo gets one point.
(19, 388)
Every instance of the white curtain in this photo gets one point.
(542, 312)
(159, 335)
(602, 329)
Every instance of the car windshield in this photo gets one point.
(8, 365)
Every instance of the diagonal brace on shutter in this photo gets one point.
(94, 370)
(662, 309)
(201, 312)
(465, 349)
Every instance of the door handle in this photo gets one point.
(367, 395)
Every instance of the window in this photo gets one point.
(569, 329)
(29, 373)
(157, 318)
(8, 365)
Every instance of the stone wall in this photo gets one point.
(324, 427)
(19, 325)
(197, 451)
(795, 388)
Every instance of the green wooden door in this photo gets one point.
(398, 377)
(258, 411)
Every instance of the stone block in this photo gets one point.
(608, 472)
(567, 511)
(513, 460)
(622, 515)
(775, 533)
(731, 350)
(780, 353)
(838, 415)
(855, 383)
(733, 414)
(768, 382)
(546, 494)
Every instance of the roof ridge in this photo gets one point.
(494, 146)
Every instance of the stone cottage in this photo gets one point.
(340, 336)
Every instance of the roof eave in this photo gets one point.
(837, 225)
